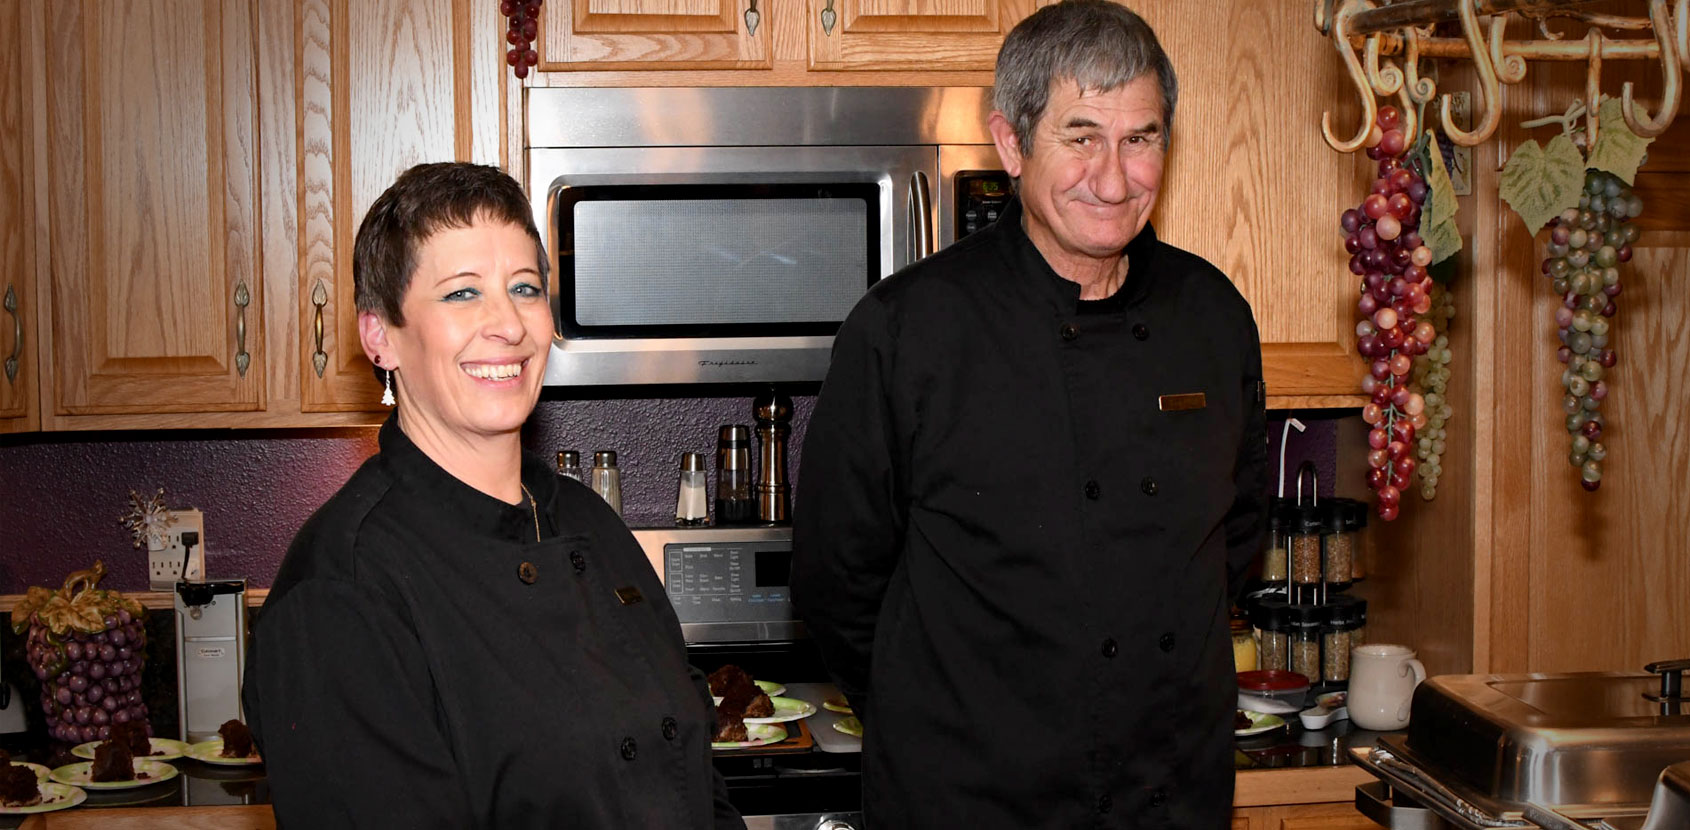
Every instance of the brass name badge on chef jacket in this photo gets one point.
(1181, 403)
(628, 595)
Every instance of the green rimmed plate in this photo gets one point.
(77, 775)
(759, 735)
(54, 796)
(787, 709)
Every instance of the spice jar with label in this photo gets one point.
(1337, 545)
(1273, 627)
(1276, 559)
(1355, 521)
(1337, 639)
(1305, 554)
(1306, 621)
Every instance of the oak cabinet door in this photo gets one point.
(655, 34)
(18, 310)
(911, 35)
(383, 85)
(151, 179)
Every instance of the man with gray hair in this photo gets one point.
(1036, 474)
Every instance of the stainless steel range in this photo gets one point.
(729, 587)
(1574, 751)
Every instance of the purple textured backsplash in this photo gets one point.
(61, 495)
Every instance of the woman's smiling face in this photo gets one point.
(478, 327)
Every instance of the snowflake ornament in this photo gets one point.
(148, 519)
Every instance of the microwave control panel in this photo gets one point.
(980, 197)
(740, 581)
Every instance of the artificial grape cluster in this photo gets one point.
(1431, 374)
(87, 646)
(1386, 251)
(524, 27)
(1587, 244)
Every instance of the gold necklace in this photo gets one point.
(533, 508)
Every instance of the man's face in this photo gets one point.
(1095, 167)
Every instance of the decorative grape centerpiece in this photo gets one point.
(86, 646)
(1587, 244)
(523, 28)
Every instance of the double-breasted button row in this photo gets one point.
(671, 728)
(1110, 647)
(1141, 331)
(1166, 642)
(1149, 486)
(1069, 331)
(1158, 797)
(577, 561)
(1105, 803)
(528, 572)
(630, 749)
(1093, 490)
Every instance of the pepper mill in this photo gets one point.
(773, 412)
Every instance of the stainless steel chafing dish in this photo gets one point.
(1573, 751)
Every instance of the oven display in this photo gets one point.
(729, 581)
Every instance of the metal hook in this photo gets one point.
(1384, 81)
(1369, 108)
(1636, 117)
(1593, 87)
(1510, 69)
(1314, 495)
(1489, 92)
(1420, 90)
(1681, 26)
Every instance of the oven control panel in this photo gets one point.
(727, 584)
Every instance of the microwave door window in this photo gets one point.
(716, 259)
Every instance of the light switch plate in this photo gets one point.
(164, 567)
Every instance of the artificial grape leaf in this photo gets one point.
(1539, 183)
(1437, 221)
(1442, 238)
(1618, 150)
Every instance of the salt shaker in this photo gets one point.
(690, 509)
(607, 479)
(569, 464)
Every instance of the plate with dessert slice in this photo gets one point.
(1247, 723)
(49, 796)
(211, 752)
(756, 734)
(40, 771)
(143, 771)
(163, 749)
(786, 709)
(769, 688)
(838, 704)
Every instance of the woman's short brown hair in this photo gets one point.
(423, 201)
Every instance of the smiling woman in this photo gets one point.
(458, 629)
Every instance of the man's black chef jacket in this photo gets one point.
(1017, 564)
(422, 662)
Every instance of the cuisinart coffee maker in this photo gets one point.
(210, 655)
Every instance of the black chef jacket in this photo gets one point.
(422, 662)
(1017, 552)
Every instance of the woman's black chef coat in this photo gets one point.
(1016, 544)
(421, 662)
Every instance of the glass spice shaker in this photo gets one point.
(1336, 641)
(734, 502)
(1305, 554)
(1272, 621)
(1337, 545)
(569, 464)
(607, 479)
(1355, 521)
(1275, 560)
(1306, 621)
(690, 503)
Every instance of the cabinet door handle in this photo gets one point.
(242, 299)
(17, 335)
(828, 18)
(319, 298)
(752, 16)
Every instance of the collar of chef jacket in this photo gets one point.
(475, 510)
(1064, 294)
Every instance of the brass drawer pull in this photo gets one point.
(243, 298)
(319, 298)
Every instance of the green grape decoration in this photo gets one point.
(1587, 246)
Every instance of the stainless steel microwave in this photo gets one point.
(721, 235)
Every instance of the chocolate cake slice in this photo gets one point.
(19, 786)
(237, 739)
(729, 728)
(134, 734)
(728, 678)
(748, 702)
(112, 762)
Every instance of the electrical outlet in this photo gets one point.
(166, 566)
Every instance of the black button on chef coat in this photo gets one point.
(410, 668)
(959, 600)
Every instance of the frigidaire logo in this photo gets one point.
(727, 363)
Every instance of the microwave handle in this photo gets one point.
(921, 216)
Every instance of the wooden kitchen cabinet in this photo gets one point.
(909, 35)
(19, 312)
(657, 34)
(382, 85)
(150, 188)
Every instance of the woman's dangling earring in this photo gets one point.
(387, 391)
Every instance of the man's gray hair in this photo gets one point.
(1098, 44)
